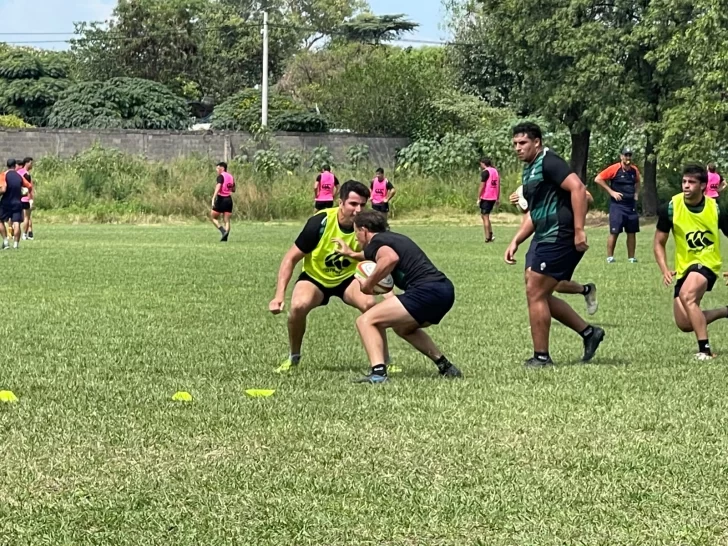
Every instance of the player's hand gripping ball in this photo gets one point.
(364, 269)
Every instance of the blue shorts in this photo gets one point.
(14, 214)
(429, 303)
(623, 217)
(556, 260)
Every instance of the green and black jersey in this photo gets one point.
(549, 204)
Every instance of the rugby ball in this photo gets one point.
(522, 203)
(24, 191)
(364, 269)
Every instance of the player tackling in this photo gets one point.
(428, 294)
(694, 221)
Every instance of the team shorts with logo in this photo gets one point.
(556, 260)
(623, 217)
(381, 207)
(223, 205)
(321, 205)
(337, 290)
(486, 206)
(706, 272)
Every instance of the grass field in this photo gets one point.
(104, 323)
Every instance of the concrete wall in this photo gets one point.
(166, 145)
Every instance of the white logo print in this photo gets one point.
(543, 266)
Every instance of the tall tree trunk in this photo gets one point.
(649, 179)
(580, 153)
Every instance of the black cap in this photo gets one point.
(627, 151)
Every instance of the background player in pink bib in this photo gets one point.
(488, 194)
(382, 192)
(325, 190)
(716, 183)
(222, 201)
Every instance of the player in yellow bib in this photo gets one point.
(694, 220)
(326, 272)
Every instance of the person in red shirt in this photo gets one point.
(622, 182)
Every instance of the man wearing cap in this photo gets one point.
(622, 182)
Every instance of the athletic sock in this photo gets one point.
(586, 289)
(442, 363)
(586, 332)
(541, 357)
(295, 358)
(704, 346)
(379, 369)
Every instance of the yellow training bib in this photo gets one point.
(324, 264)
(697, 240)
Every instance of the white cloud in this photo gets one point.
(49, 16)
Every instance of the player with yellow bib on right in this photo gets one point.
(694, 220)
(326, 272)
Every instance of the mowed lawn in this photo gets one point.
(102, 324)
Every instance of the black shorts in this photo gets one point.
(223, 205)
(381, 207)
(486, 206)
(337, 290)
(12, 215)
(26, 205)
(623, 217)
(321, 205)
(557, 260)
(702, 270)
(429, 302)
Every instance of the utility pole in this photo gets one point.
(264, 117)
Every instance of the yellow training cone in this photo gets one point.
(8, 396)
(182, 396)
(259, 393)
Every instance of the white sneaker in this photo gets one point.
(24, 237)
(611, 260)
(703, 356)
(591, 300)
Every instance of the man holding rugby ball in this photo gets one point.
(427, 298)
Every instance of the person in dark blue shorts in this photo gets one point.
(557, 205)
(622, 182)
(427, 298)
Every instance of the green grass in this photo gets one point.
(104, 323)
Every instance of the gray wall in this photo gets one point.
(165, 145)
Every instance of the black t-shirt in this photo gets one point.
(336, 180)
(664, 216)
(14, 189)
(414, 267)
(220, 179)
(311, 234)
(484, 175)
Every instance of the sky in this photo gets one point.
(58, 16)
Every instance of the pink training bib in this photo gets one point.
(326, 187)
(379, 191)
(713, 185)
(228, 185)
(491, 192)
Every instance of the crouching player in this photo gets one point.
(427, 298)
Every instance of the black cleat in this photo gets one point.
(535, 363)
(450, 371)
(591, 343)
(225, 236)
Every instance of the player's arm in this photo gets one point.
(524, 232)
(336, 188)
(391, 190)
(218, 185)
(484, 175)
(576, 188)
(637, 184)
(345, 250)
(285, 272)
(603, 179)
(662, 234)
(29, 187)
(316, 187)
(386, 260)
(723, 183)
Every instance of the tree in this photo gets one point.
(373, 29)
(564, 57)
(120, 103)
(30, 83)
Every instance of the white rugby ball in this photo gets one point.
(522, 203)
(364, 269)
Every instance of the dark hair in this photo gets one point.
(485, 160)
(380, 171)
(696, 171)
(529, 129)
(326, 168)
(11, 163)
(373, 220)
(27, 160)
(711, 167)
(222, 164)
(353, 186)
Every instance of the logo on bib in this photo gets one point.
(337, 261)
(698, 240)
